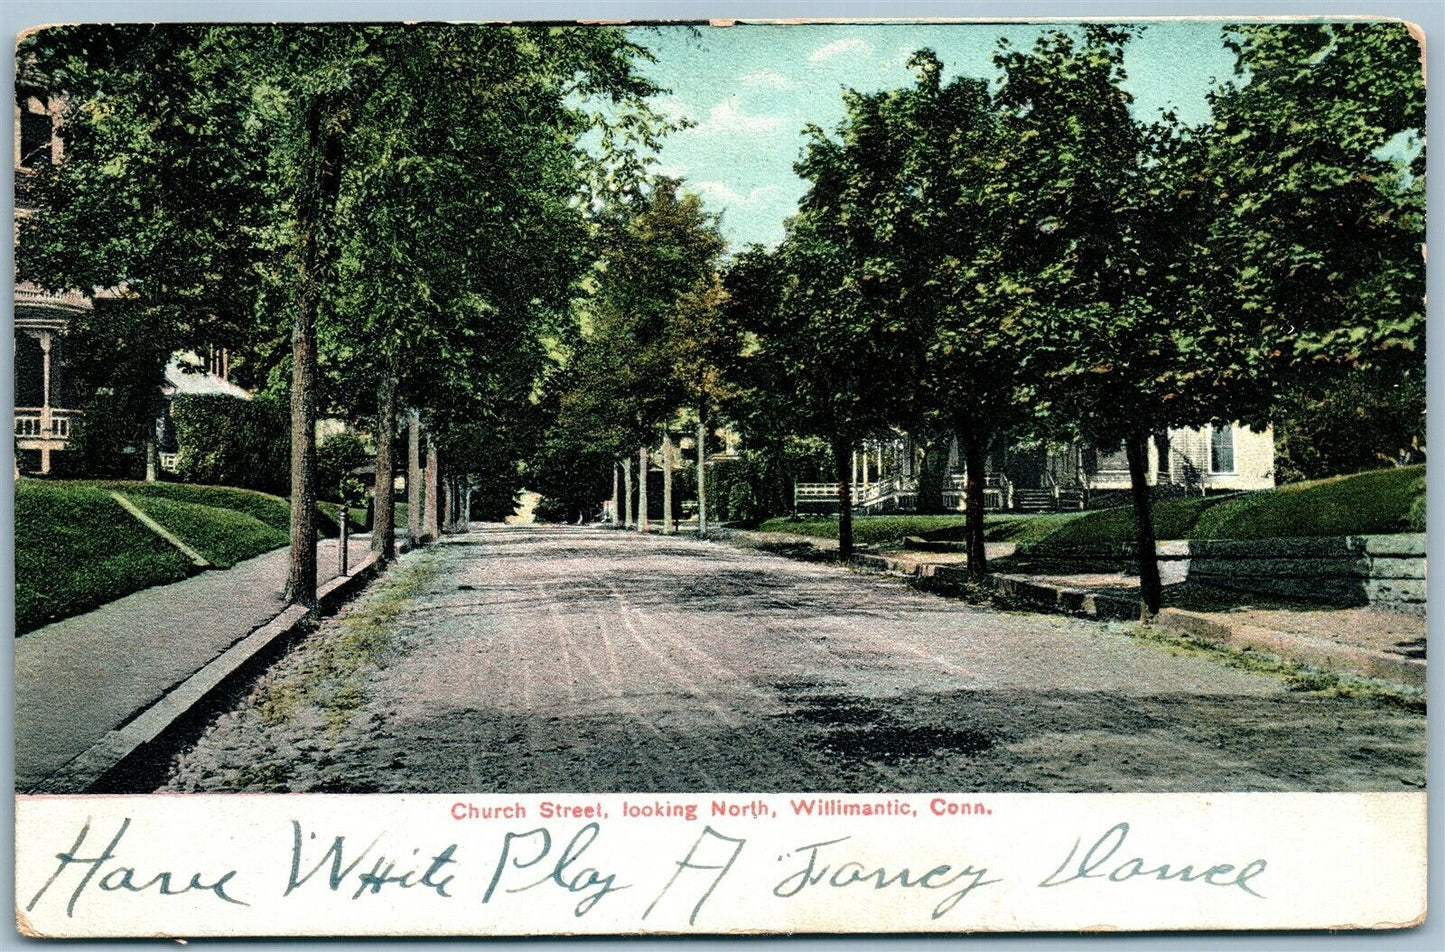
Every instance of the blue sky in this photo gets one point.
(751, 90)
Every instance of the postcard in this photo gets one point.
(536, 479)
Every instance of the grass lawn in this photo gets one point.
(223, 536)
(1374, 503)
(886, 530)
(76, 548)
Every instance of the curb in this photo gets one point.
(1069, 601)
(1301, 649)
(126, 758)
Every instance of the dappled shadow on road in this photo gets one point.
(961, 740)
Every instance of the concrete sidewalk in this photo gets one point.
(82, 678)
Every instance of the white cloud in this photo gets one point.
(670, 169)
(723, 194)
(671, 108)
(841, 47)
(727, 119)
(769, 78)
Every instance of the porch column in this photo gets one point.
(854, 480)
(45, 401)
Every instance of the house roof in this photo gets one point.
(184, 374)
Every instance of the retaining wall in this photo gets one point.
(1339, 570)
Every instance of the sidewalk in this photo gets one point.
(1370, 642)
(80, 679)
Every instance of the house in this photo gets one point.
(44, 406)
(1199, 461)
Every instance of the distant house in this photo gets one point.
(187, 374)
(1201, 461)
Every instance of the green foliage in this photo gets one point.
(1380, 502)
(223, 536)
(1318, 148)
(336, 457)
(76, 548)
(231, 442)
(1383, 414)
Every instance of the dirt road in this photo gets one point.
(529, 659)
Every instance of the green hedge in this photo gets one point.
(76, 548)
(226, 441)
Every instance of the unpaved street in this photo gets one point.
(562, 659)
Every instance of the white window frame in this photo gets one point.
(1233, 451)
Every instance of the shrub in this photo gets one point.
(226, 441)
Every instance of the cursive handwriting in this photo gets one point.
(1099, 856)
(124, 878)
(383, 871)
(852, 872)
(581, 881)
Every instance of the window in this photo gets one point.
(1221, 449)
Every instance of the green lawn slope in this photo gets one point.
(77, 548)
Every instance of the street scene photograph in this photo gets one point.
(859, 408)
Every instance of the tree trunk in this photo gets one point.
(627, 491)
(642, 525)
(842, 466)
(975, 447)
(315, 209)
(413, 477)
(1136, 447)
(445, 519)
(383, 519)
(666, 483)
(430, 527)
(616, 495)
(701, 478)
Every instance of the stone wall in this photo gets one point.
(1339, 570)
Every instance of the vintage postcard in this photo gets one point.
(732, 477)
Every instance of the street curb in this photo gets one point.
(1059, 598)
(1301, 649)
(125, 759)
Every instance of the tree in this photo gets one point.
(620, 378)
(161, 202)
(1318, 249)
(1102, 221)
